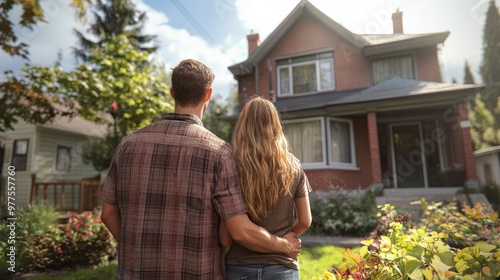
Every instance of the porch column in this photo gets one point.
(374, 148)
(468, 152)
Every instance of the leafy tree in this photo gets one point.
(468, 78)
(111, 76)
(113, 18)
(17, 100)
(32, 13)
(483, 132)
(216, 109)
(485, 113)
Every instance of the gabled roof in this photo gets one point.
(391, 89)
(76, 125)
(369, 44)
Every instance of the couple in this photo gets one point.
(176, 194)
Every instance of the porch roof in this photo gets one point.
(394, 89)
(487, 151)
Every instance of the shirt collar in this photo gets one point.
(183, 117)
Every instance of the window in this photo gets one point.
(63, 158)
(307, 140)
(20, 154)
(383, 69)
(340, 142)
(305, 74)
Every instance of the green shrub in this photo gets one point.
(345, 214)
(417, 253)
(30, 222)
(465, 226)
(82, 241)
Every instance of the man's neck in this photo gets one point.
(197, 111)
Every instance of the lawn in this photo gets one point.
(313, 262)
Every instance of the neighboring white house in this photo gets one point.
(488, 165)
(50, 151)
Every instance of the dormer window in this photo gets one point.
(305, 74)
(386, 68)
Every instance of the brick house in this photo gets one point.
(363, 110)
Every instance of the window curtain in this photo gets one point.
(305, 141)
(384, 69)
(340, 142)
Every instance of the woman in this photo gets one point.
(275, 188)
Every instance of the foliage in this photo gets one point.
(486, 119)
(99, 151)
(17, 102)
(468, 78)
(32, 13)
(417, 253)
(215, 110)
(35, 220)
(466, 226)
(117, 72)
(82, 241)
(482, 120)
(113, 18)
(345, 214)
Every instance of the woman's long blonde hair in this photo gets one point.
(264, 161)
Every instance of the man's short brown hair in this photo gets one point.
(190, 80)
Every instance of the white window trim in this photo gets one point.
(318, 76)
(342, 165)
(319, 164)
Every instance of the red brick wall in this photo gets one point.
(308, 36)
(428, 64)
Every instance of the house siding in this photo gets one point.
(22, 178)
(42, 150)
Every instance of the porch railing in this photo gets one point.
(78, 196)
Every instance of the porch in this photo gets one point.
(67, 196)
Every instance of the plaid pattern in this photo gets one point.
(173, 181)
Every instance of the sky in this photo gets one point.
(214, 31)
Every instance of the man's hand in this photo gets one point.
(295, 244)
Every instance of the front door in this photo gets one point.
(408, 156)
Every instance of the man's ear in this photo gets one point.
(172, 92)
(208, 94)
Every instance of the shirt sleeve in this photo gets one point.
(303, 186)
(228, 198)
(108, 193)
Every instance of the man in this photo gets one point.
(169, 185)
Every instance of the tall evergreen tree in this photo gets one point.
(468, 78)
(490, 66)
(113, 18)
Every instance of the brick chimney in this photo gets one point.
(397, 21)
(253, 42)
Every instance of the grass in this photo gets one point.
(101, 273)
(314, 261)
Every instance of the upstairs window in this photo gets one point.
(305, 74)
(402, 66)
(63, 158)
(20, 154)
